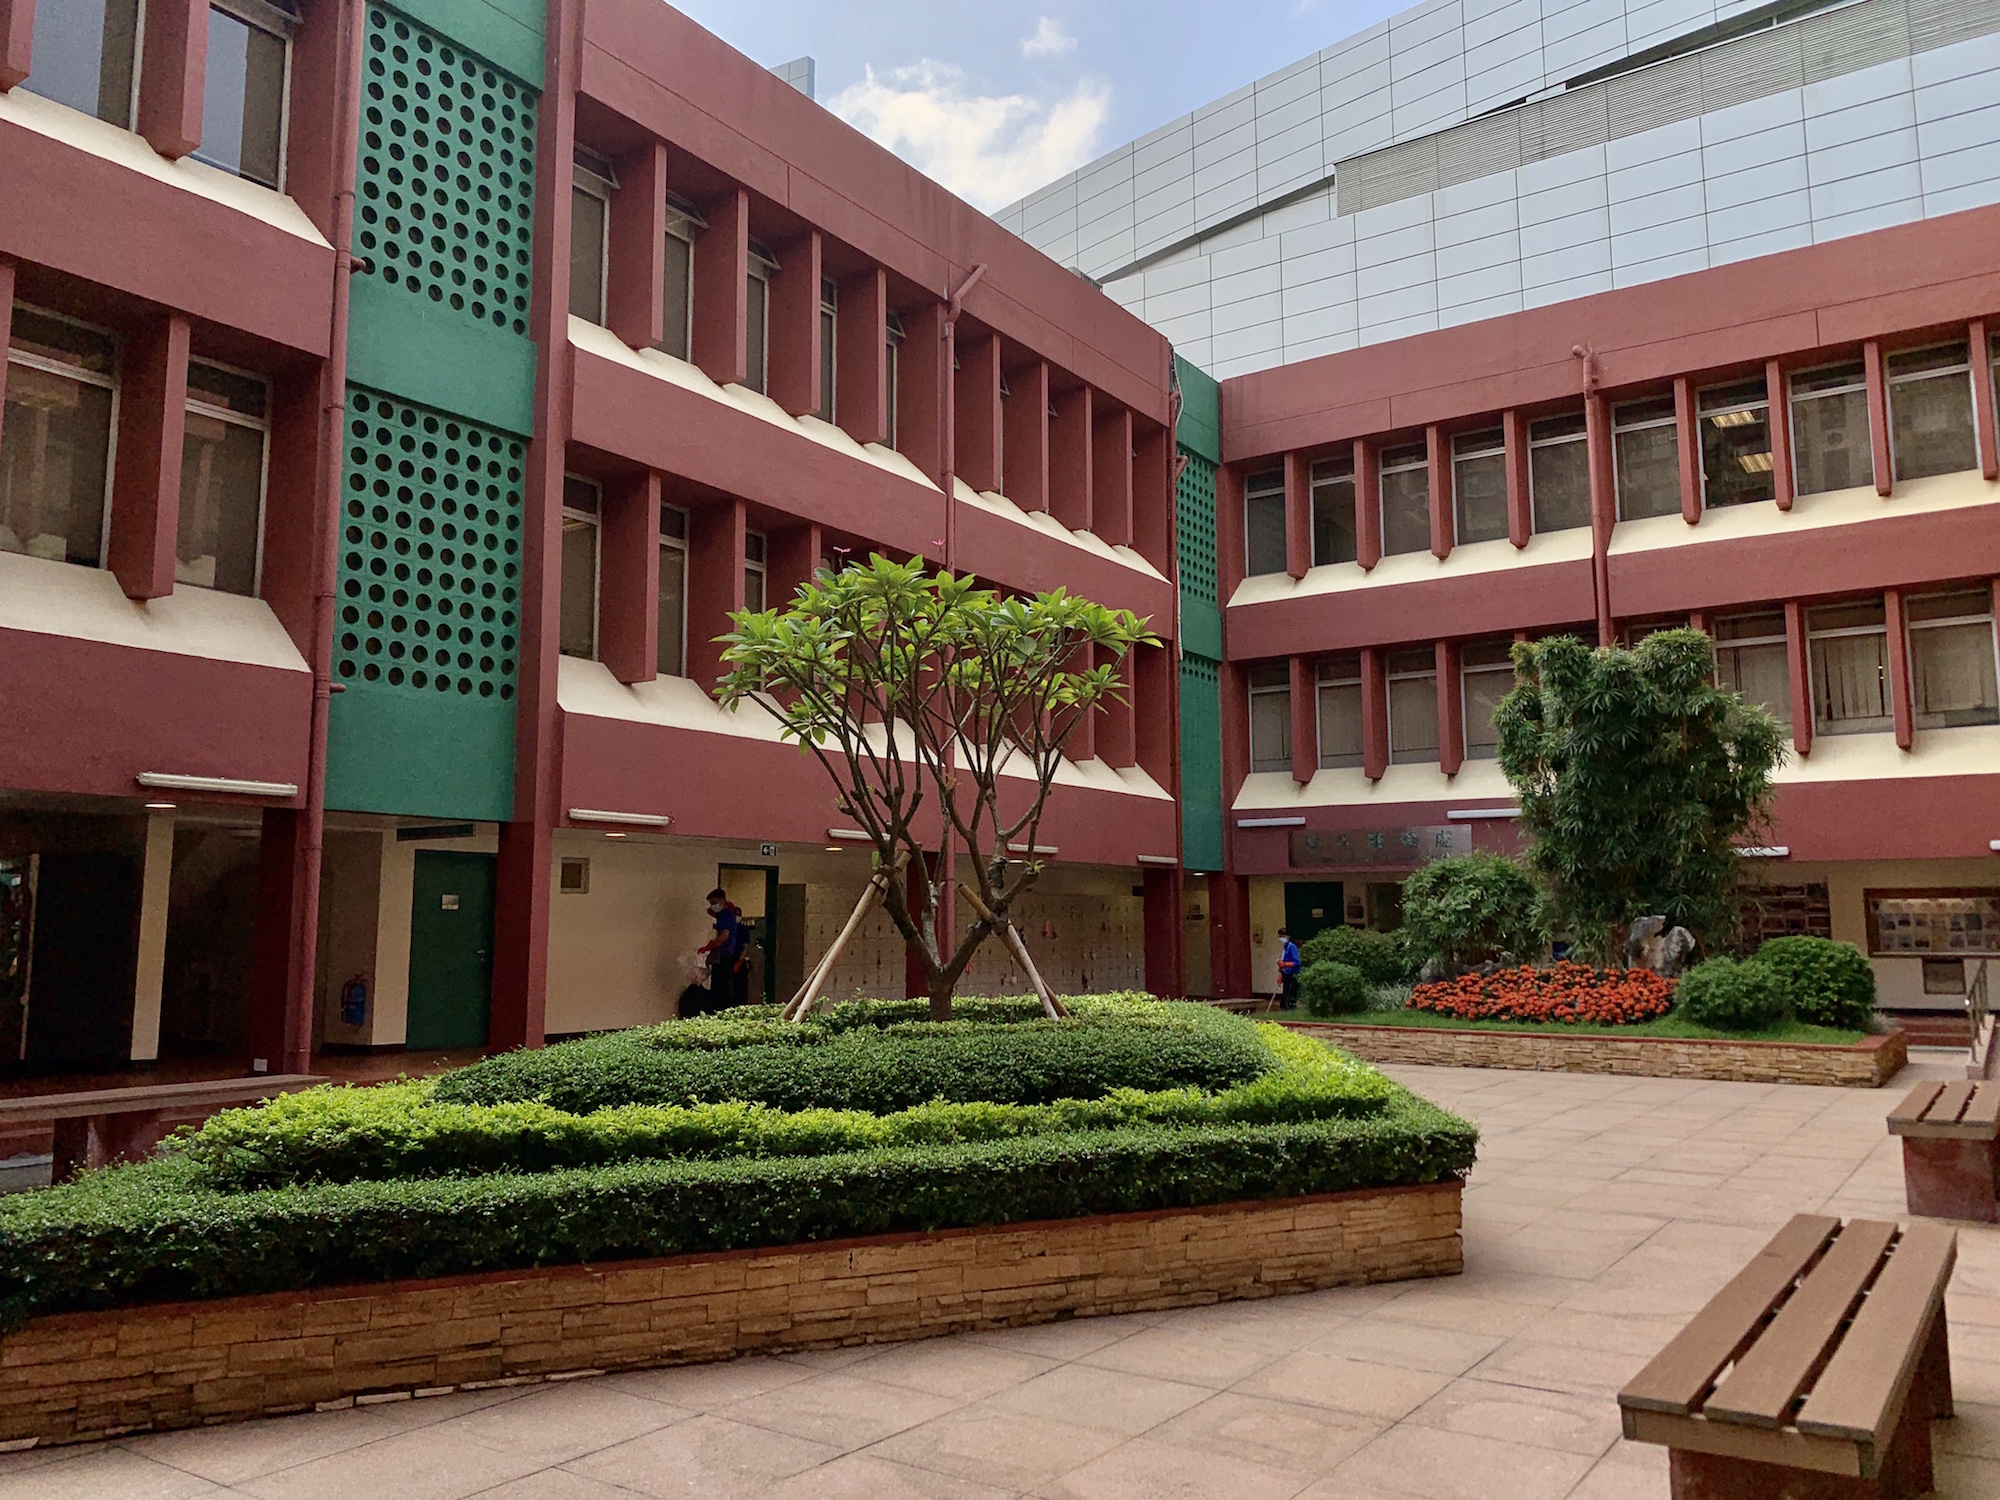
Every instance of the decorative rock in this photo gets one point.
(1651, 944)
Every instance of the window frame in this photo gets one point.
(1384, 469)
(596, 522)
(1332, 473)
(1497, 448)
(1704, 414)
(893, 334)
(587, 178)
(1881, 723)
(1781, 639)
(277, 22)
(1258, 487)
(1619, 428)
(760, 266)
(757, 560)
(112, 382)
(261, 425)
(684, 224)
(829, 342)
(1391, 675)
(679, 546)
(1351, 676)
(130, 123)
(1580, 437)
(1890, 380)
(1466, 672)
(1912, 626)
(1281, 687)
(1794, 396)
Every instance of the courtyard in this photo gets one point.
(1602, 1213)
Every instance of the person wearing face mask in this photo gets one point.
(728, 967)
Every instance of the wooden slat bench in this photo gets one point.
(98, 1126)
(1951, 1150)
(1813, 1375)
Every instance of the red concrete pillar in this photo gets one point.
(1520, 498)
(1111, 476)
(1298, 515)
(1603, 508)
(1878, 416)
(920, 371)
(715, 583)
(792, 559)
(1982, 400)
(274, 1032)
(1070, 500)
(1166, 974)
(1153, 497)
(1687, 437)
(628, 578)
(1451, 710)
(795, 326)
(146, 483)
(1780, 428)
(1799, 669)
(1230, 541)
(1229, 942)
(1367, 504)
(1374, 713)
(17, 32)
(1025, 437)
(1117, 727)
(1305, 720)
(861, 356)
(721, 291)
(635, 289)
(981, 427)
(1444, 520)
(1899, 670)
(172, 72)
(6, 283)
(293, 496)
(1154, 725)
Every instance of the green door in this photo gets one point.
(451, 949)
(1312, 906)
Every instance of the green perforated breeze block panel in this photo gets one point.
(1201, 763)
(1201, 618)
(445, 185)
(428, 601)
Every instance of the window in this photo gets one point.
(1831, 449)
(243, 90)
(1848, 649)
(1643, 438)
(829, 330)
(222, 479)
(1635, 631)
(1486, 675)
(589, 234)
(1735, 424)
(1479, 485)
(1264, 523)
(55, 439)
(1271, 717)
(1951, 658)
(574, 879)
(1333, 511)
(582, 504)
(677, 279)
(87, 56)
(673, 592)
(1753, 661)
(753, 570)
(1559, 473)
(894, 335)
(1406, 499)
(757, 319)
(1413, 706)
(1339, 686)
(1930, 411)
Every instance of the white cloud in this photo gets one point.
(1049, 40)
(989, 149)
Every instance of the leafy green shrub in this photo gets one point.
(401, 1130)
(1830, 984)
(1382, 957)
(862, 1056)
(154, 1232)
(1469, 910)
(1331, 989)
(1731, 995)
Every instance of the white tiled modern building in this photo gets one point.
(1475, 157)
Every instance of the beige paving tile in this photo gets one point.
(1630, 1471)
(1445, 1465)
(425, 1464)
(556, 1484)
(1369, 1390)
(1584, 1425)
(990, 1445)
(704, 1456)
(863, 1476)
(1144, 1469)
(842, 1411)
(708, 1387)
(104, 1471)
(553, 1424)
(964, 1369)
(236, 1451)
(1309, 1439)
(1961, 1478)
(1445, 1351)
(1068, 1338)
(1112, 1400)
(1169, 1353)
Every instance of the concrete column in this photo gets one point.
(1305, 719)
(789, 565)
(1117, 727)
(1451, 710)
(1367, 504)
(389, 1005)
(1520, 495)
(795, 327)
(1154, 725)
(1298, 515)
(17, 31)
(920, 372)
(1374, 713)
(155, 888)
(1444, 518)
(7, 266)
(981, 428)
(1900, 696)
(1025, 437)
(1166, 970)
(628, 578)
(1069, 459)
(1603, 508)
(1780, 428)
(277, 1043)
(146, 482)
(1878, 417)
(1153, 499)
(1982, 400)
(634, 290)
(1687, 438)
(1111, 475)
(1230, 542)
(721, 291)
(861, 356)
(1799, 670)
(172, 74)
(715, 583)
(1082, 742)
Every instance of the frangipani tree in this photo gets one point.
(935, 704)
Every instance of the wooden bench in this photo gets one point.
(1951, 1149)
(100, 1126)
(1813, 1375)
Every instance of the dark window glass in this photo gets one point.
(55, 439)
(243, 99)
(1645, 439)
(1736, 464)
(678, 286)
(1333, 512)
(586, 255)
(86, 56)
(1930, 412)
(1479, 485)
(1406, 500)
(1831, 446)
(1559, 473)
(1264, 523)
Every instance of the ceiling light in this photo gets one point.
(834, 849)
(1755, 463)
(160, 806)
(1735, 418)
(617, 835)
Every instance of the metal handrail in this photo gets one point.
(1978, 1003)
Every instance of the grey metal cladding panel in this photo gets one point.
(1479, 148)
(1389, 176)
(1939, 23)
(1654, 96)
(1756, 67)
(1567, 122)
(1855, 37)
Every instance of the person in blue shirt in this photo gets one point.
(728, 970)
(1288, 971)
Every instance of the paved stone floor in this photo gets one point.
(1602, 1213)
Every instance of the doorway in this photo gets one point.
(1195, 946)
(83, 958)
(1312, 906)
(451, 949)
(754, 889)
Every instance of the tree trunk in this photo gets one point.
(940, 1001)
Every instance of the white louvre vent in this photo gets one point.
(1855, 37)
(1568, 122)
(1754, 68)
(1939, 23)
(1479, 149)
(1653, 97)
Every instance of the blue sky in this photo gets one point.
(994, 100)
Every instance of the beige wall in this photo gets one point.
(1267, 915)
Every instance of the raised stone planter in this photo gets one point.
(1868, 1064)
(90, 1375)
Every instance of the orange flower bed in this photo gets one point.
(1568, 992)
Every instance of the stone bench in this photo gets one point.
(1951, 1149)
(97, 1126)
(1813, 1375)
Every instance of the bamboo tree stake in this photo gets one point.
(1012, 935)
(871, 897)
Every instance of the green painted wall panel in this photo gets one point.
(441, 757)
(508, 33)
(1200, 429)
(417, 352)
(1201, 764)
(1201, 626)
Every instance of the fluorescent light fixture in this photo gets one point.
(1766, 851)
(1480, 814)
(1032, 849)
(1994, 845)
(1159, 859)
(1270, 822)
(614, 834)
(1754, 463)
(834, 849)
(637, 820)
(160, 806)
(171, 781)
(851, 835)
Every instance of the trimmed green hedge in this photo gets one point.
(152, 1232)
(1830, 984)
(402, 1130)
(1382, 957)
(1731, 995)
(1334, 989)
(876, 1057)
